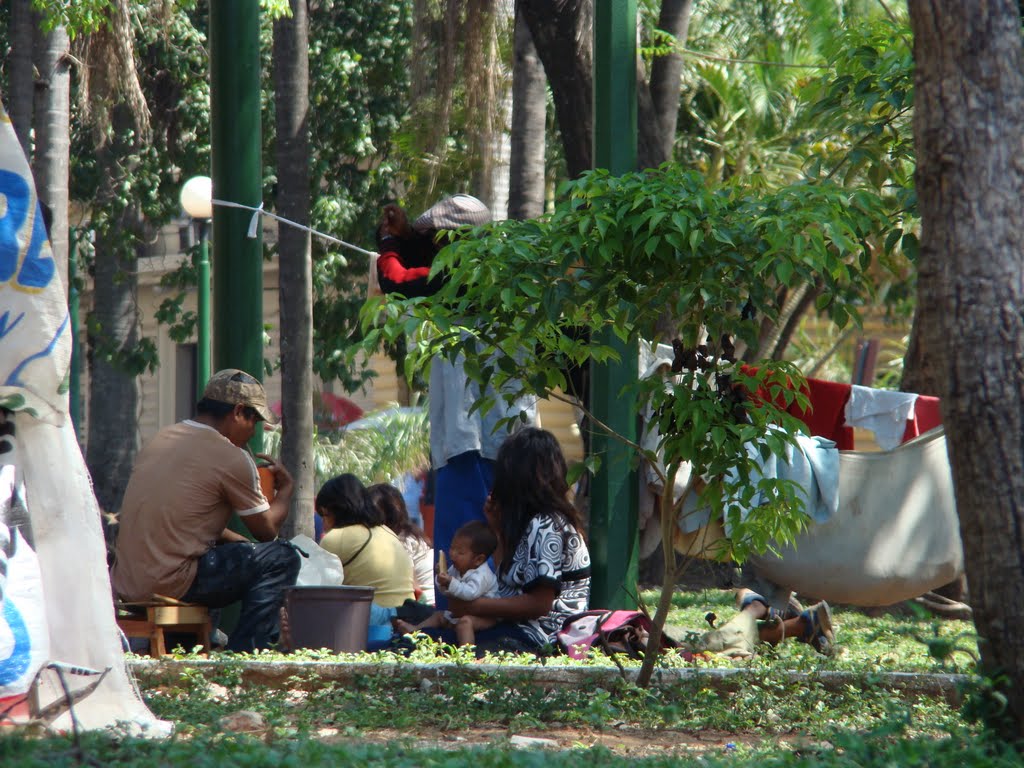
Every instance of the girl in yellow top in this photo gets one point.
(370, 553)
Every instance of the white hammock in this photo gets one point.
(895, 536)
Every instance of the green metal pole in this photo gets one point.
(75, 374)
(203, 309)
(237, 177)
(613, 506)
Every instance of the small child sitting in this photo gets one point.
(468, 578)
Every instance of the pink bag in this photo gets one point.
(611, 631)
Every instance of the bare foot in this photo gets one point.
(284, 640)
(404, 627)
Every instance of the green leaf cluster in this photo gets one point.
(79, 17)
(617, 253)
(171, 61)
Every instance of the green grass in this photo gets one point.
(872, 751)
(764, 701)
(761, 704)
(901, 640)
(764, 719)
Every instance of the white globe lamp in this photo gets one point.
(197, 197)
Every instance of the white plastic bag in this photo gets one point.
(321, 568)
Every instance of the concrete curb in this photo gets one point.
(285, 674)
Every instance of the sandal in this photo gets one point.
(819, 633)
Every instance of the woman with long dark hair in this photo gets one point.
(370, 553)
(542, 557)
(390, 504)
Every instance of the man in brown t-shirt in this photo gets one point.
(173, 538)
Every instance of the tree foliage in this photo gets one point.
(614, 254)
(358, 95)
(359, 84)
(807, 90)
(171, 62)
(618, 251)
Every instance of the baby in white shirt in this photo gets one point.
(468, 577)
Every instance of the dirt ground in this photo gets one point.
(623, 740)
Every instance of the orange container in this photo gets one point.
(267, 482)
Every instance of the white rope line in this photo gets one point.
(257, 212)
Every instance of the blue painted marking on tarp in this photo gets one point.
(13, 379)
(4, 327)
(35, 272)
(17, 663)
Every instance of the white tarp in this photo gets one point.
(24, 639)
(63, 516)
(35, 332)
(891, 532)
(896, 534)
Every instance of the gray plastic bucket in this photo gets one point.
(336, 618)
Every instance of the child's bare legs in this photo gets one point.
(466, 628)
(436, 620)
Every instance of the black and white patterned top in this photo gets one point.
(551, 553)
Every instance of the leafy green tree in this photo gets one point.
(617, 251)
(358, 92)
(459, 57)
(858, 129)
(812, 90)
(742, 88)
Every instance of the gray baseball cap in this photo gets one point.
(453, 212)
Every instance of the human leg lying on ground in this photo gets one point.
(812, 625)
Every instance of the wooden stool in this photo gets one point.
(164, 614)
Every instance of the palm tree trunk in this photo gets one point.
(114, 327)
(563, 33)
(483, 101)
(53, 138)
(529, 107)
(120, 117)
(295, 275)
(21, 79)
(657, 127)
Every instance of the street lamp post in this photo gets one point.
(197, 200)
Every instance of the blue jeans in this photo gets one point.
(256, 574)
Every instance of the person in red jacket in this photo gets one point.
(406, 251)
(403, 265)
